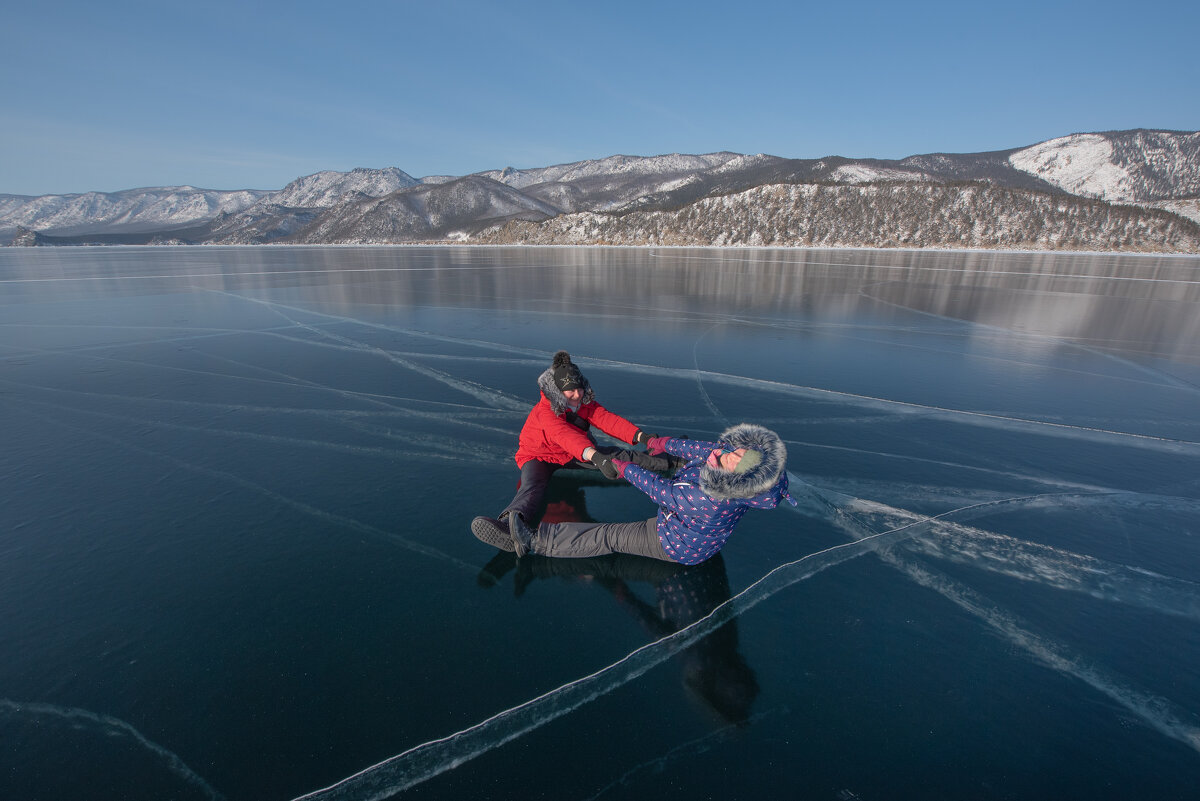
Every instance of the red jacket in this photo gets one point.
(549, 436)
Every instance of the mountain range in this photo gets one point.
(1125, 190)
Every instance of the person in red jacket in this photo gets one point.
(557, 434)
(698, 507)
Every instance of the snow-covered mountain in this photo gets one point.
(325, 189)
(619, 183)
(426, 212)
(1158, 170)
(1121, 167)
(158, 210)
(890, 214)
(611, 168)
(132, 210)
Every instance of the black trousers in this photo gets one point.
(530, 498)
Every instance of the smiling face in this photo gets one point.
(573, 396)
(722, 459)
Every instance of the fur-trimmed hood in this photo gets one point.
(723, 485)
(558, 401)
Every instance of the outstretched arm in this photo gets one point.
(680, 497)
(609, 422)
(677, 446)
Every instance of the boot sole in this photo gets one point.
(493, 533)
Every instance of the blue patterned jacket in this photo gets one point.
(700, 506)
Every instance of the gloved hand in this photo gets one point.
(655, 446)
(605, 463)
(641, 436)
(619, 466)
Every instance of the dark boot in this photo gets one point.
(520, 534)
(493, 532)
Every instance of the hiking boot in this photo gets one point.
(520, 534)
(493, 532)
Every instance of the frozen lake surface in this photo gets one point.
(235, 555)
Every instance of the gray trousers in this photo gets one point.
(579, 540)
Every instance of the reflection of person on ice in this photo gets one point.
(557, 434)
(713, 667)
(698, 508)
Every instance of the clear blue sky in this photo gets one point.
(231, 95)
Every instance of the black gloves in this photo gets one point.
(604, 462)
(641, 437)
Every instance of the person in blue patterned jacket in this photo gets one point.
(698, 507)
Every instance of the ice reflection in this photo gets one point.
(713, 668)
(288, 412)
(1139, 304)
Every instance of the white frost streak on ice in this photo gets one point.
(112, 727)
(1158, 712)
(1021, 424)
(1056, 568)
(1080, 164)
(489, 396)
(300, 506)
(423, 762)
